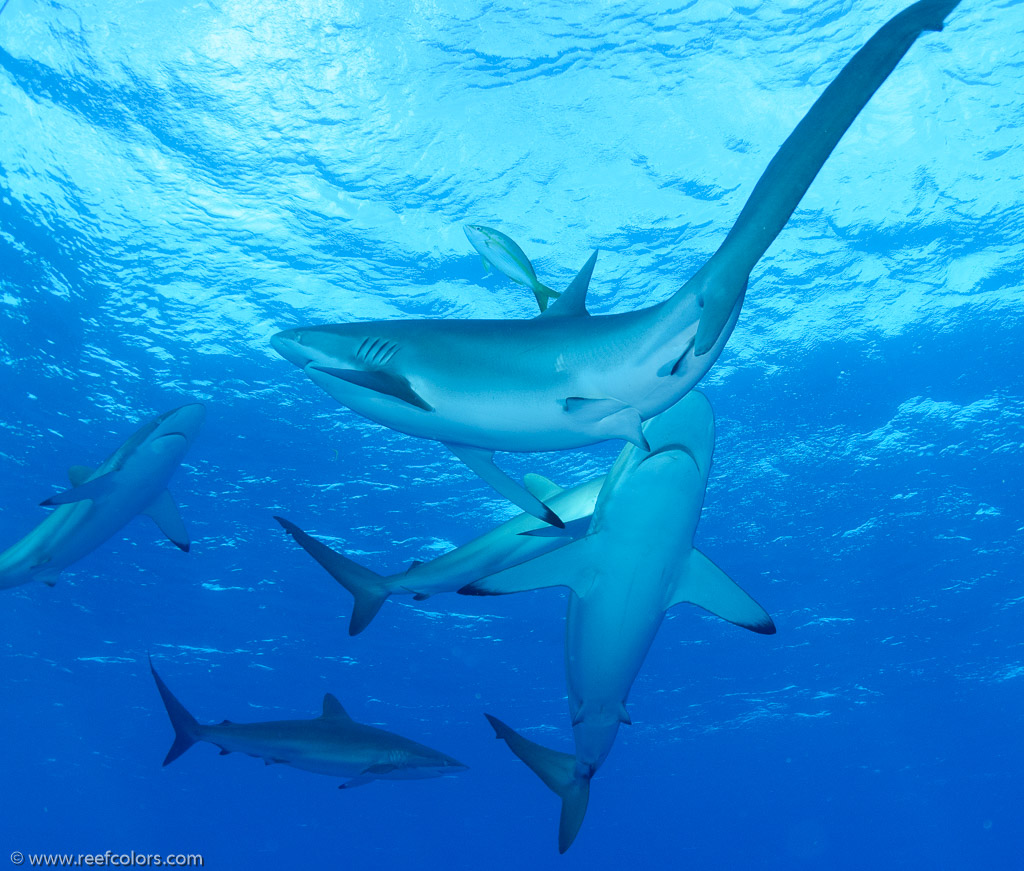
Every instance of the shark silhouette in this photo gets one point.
(132, 480)
(333, 744)
(565, 379)
(636, 561)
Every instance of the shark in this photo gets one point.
(333, 744)
(501, 252)
(568, 379)
(132, 480)
(636, 561)
(516, 540)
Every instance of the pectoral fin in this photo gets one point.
(572, 566)
(482, 463)
(367, 775)
(382, 768)
(165, 514)
(94, 490)
(704, 584)
(379, 381)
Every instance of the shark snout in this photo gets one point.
(288, 343)
(185, 421)
(454, 765)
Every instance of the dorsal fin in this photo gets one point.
(573, 302)
(78, 475)
(333, 709)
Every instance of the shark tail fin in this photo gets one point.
(560, 774)
(798, 161)
(186, 729)
(369, 589)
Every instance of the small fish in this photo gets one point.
(333, 744)
(499, 251)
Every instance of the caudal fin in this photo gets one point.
(186, 729)
(544, 295)
(369, 589)
(559, 773)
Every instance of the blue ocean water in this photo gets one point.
(179, 181)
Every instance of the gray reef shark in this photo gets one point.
(565, 379)
(333, 744)
(506, 545)
(132, 480)
(501, 252)
(636, 561)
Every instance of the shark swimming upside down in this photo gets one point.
(636, 561)
(566, 379)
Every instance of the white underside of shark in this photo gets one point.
(636, 561)
(133, 480)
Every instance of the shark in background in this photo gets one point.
(635, 562)
(566, 379)
(333, 744)
(132, 480)
(506, 545)
(501, 252)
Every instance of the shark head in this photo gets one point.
(185, 421)
(415, 761)
(166, 438)
(354, 367)
(689, 426)
(431, 763)
(314, 346)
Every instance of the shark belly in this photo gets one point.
(291, 743)
(647, 517)
(608, 634)
(540, 385)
